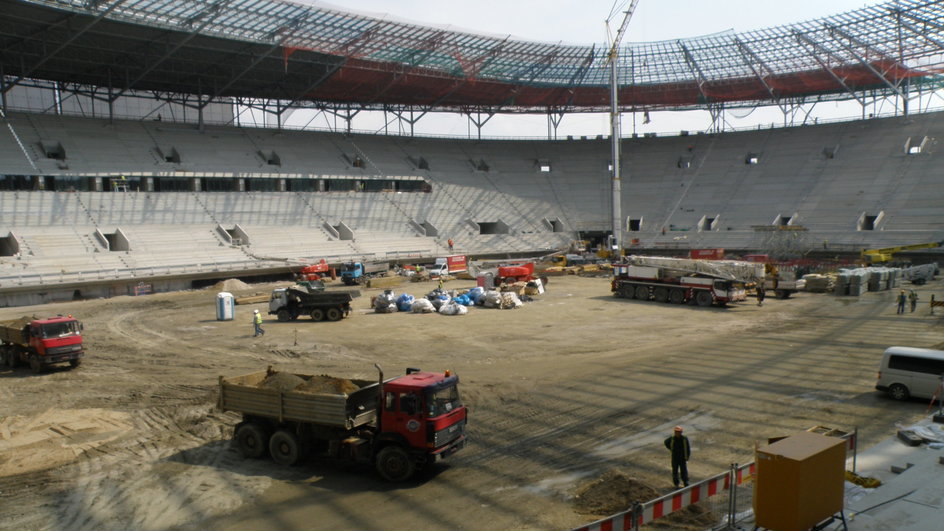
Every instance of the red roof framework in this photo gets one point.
(313, 55)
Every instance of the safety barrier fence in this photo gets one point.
(652, 510)
(733, 483)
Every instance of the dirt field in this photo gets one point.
(574, 389)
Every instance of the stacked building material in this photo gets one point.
(820, 283)
(856, 282)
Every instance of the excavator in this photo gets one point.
(886, 254)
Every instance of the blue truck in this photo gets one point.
(354, 273)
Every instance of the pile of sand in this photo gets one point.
(230, 284)
(611, 493)
(329, 385)
(615, 492)
(281, 381)
(324, 384)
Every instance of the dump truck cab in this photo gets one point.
(41, 342)
(423, 411)
(55, 336)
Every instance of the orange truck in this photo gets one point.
(41, 342)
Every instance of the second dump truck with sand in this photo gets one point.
(400, 425)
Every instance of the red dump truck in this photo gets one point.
(41, 342)
(399, 425)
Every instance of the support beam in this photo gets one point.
(289, 29)
(804, 40)
(833, 31)
(213, 11)
(75, 35)
(750, 59)
(696, 71)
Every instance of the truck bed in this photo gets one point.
(11, 330)
(330, 298)
(243, 395)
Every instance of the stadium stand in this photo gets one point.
(171, 201)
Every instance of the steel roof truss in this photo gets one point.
(696, 70)
(923, 33)
(72, 38)
(213, 11)
(833, 31)
(749, 59)
(256, 61)
(814, 45)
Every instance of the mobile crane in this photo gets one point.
(886, 254)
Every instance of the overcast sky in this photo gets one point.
(582, 22)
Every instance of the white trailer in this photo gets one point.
(681, 280)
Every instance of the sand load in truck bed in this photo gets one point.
(323, 399)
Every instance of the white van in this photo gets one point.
(907, 372)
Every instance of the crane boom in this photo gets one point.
(621, 31)
(617, 224)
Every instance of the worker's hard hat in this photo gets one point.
(678, 429)
(255, 311)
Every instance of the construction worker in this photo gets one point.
(761, 293)
(913, 299)
(257, 324)
(450, 242)
(681, 450)
(902, 298)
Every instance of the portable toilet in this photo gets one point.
(225, 306)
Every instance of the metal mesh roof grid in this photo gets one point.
(870, 34)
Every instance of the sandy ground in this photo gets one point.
(574, 387)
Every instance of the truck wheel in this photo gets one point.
(284, 448)
(284, 316)
(676, 296)
(35, 365)
(642, 293)
(703, 298)
(333, 314)
(317, 314)
(394, 464)
(251, 440)
(782, 294)
(13, 358)
(661, 294)
(75, 363)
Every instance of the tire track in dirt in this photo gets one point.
(174, 471)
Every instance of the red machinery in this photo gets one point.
(314, 271)
(523, 272)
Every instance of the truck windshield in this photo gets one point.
(443, 401)
(63, 329)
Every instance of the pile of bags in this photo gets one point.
(385, 303)
(446, 303)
